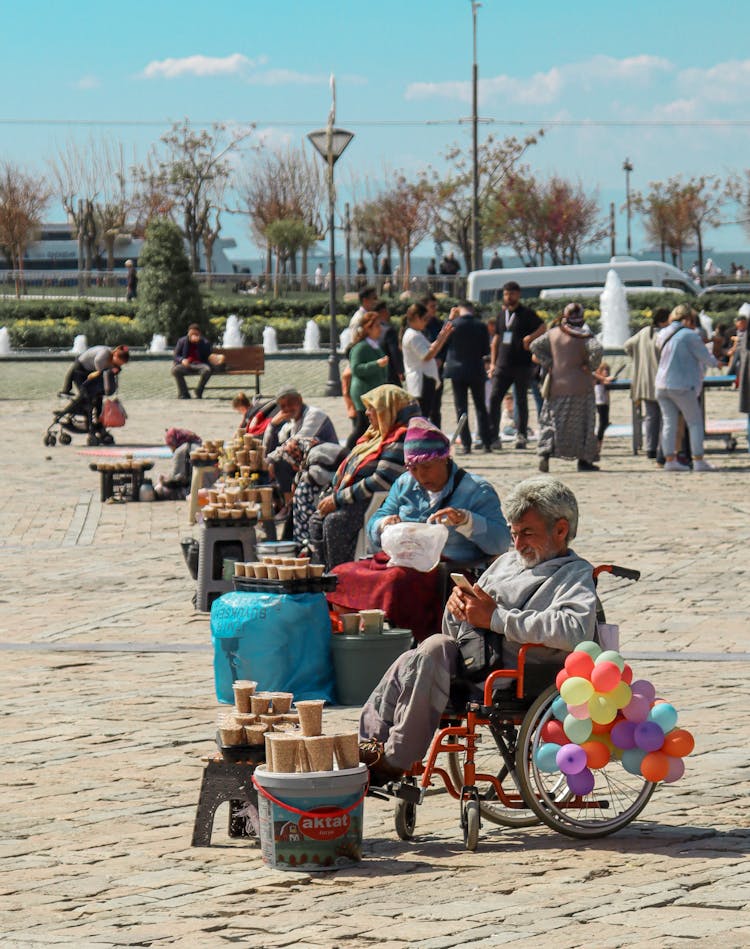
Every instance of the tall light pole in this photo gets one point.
(627, 168)
(476, 244)
(330, 143)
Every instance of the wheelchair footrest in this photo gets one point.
(401, 790)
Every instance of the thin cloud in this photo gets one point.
(725, 82)
(544, 88)
(200, 66)
(236, 65)
(87, 82)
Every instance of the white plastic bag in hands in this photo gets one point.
(410, 544)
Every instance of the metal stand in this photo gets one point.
(208, 538)
(224, 781)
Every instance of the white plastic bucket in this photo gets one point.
(311, 821)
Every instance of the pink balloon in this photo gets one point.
(637, 709)
(579, 711)
(676, 770)
(605, 676)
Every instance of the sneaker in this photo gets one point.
(544, 464)
(702, 465)
(675, 466)
(372, 753)
(587, 465)
(497, 445)
(521, 441)
(463, 450)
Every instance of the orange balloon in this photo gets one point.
(602, 729)
(655, 766)
(597, 753)
(678, 743)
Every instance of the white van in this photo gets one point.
(486, 286)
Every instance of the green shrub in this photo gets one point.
(169, 299)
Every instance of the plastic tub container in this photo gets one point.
(360, 661)
(276, 548)
(311, 821)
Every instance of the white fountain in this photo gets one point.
(269, 340)
(311, 342)
(613, 303)
(79, 345)
(158, 344)
(233, 333)
(4, 341)
(345, 339)
(706, 324)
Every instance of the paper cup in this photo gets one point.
(250, 570)
(285, 751)
(247, 441)
(371, 621)
(301, 561)
(320, 752)
(260, 702)
(350, 623)
(282, 702)
(261, 570)
(346, 748)
(243, 690)
(300, 573)
(291, 717)
(254, 734)
(245, 718)
(269, 719)
(239, 569)
(284, 727)
(286, 573)
(233, 734)
(310, 716)
(269, 751)
(273, 571)
(316, 569)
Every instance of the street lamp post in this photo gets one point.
(476, 245)
(627, 168)
(330, 143)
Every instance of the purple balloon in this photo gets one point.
(637, 709)
(644, 688)
(623, 735)
(676, 770)
(648, 736)
(583, 782)
(571, 759)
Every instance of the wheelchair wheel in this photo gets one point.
(488, 760)
(470, 824)
(617, 798)
(405, 819)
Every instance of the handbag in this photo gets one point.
(546, 385)
(113, 415)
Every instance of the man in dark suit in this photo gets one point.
(432, 331)
(510, 363)
(466, 350)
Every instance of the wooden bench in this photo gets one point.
(240, 361)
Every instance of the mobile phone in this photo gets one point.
(462, 583)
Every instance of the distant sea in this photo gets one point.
(722, 259)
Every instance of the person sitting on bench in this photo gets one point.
(540, 592)
(193, 356)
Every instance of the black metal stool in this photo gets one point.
(224, 781)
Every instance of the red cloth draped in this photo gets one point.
(410, 599)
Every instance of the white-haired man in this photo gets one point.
(540, 592)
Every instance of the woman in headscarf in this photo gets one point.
(176, 487)
(567, 423)
(373, 465)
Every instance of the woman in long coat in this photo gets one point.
(567, 423)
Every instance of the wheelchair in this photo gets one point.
(490, 767)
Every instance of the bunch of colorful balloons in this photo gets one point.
(600, 714)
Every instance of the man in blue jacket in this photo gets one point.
(466, 350)
(193, 356)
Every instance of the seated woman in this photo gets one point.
(373, 465)
(176, 486)
(432, 489)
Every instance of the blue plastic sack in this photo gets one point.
(281, 641)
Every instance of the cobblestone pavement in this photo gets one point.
(108, 706)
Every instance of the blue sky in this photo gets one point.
(408, 62)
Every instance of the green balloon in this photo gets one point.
(577, 730)
(610, 655)
(589, 646)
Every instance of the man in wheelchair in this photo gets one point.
(540, 592)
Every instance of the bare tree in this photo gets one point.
(192, 167)
(406, 212)
(23, 200)
(93, 186)
(372, 229)
(451, 191)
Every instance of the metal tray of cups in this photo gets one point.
(325, 584)
(250, 754)
(230, 521)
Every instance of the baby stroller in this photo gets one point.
(80, 415)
